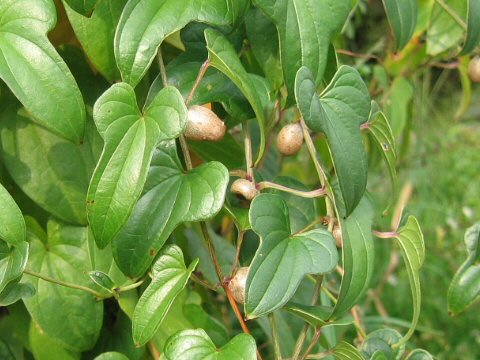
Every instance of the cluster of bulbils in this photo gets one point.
(204, 125)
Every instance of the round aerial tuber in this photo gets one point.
(290, 139)
(204, 125)
(237, 285)
(244, 188)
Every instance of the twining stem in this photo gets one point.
(129, 287)
(453, 14)
(200, 76)
(202, 282)
(306, 194)
(303, 334)
(219, 271)
(64, 283)
(161, 64)
(385, 235)
(313, 343)
(358, 323)
(240, 238)
(248, 151)
(276, 343)
(186, 153)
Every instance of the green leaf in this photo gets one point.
(13, 260)
(200, 319)
(64, 257)
(262, 34)
(282, 259)
(223, 56)
(12, 225)
(419, 354)
(96, 34)
(14, 292)
(111, 355)
(343, 106)
(383, 136)
(83, 7)
(379, 345)
(346, 351)
(317, 315)
(464, 289)
(411, 242)
(130, 138)
(472, 38)
(102, 279)
(45, 347)
(195, 344)
(144, 25)
(402, 16)
(357, 257)
(445, 30)
(30, 66)
(170, 197)
(170, 275)
(306, 29)
(36, 159)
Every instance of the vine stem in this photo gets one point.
(219, 271)
(248, 151)
(276, 343)
(129, 287)
(385, 235)
(306, 194)
(312, 344)
(64, 283)
(200, 76)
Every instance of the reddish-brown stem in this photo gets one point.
(200, 76)
(385, 235)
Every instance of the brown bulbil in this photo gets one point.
(474, 69)
(290, 139)
(237, 285)
(203, 124)
(244, 188)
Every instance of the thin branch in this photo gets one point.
(358, 323)
(129, 287)
(313, 343)
(200, 76)
(64, 283)
(385, 235)
(306, 194)
(240, 238)
(248, 151)
(276, 342)
(186, 153)
(197, 279)
(357, 55)
(161, 64)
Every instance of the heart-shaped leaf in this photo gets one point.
(379, 345)
(419, 354)
(317, 315)
(170, 275)
(195, 344)
(305, 29)
(358, 257)
(464, 289)
(282, 259)
(44, 347)
(223, 56)
(402, 16)
(170, 197)
(96, 34)
(13, 259)
(130, 139)
(64, 257)
(144, 25)
(14, 292)
(411, 242)
(102, 279)
(83, 7)
(346, 351)
(342, 108)
(30, 66)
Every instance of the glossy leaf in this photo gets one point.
(402, 16)
(13, 259)
(410, 239)
(379, 345)
(64, 257)
(419, 354)
(170, 275)
(223, 56)
(30, 66)
(283, 259)
(464, 289)
(305, 29)
(317, 315)
(144, 25)
(14, 292)
(340, 110)
(383, 136)
(130, 139)
(170, 197)
(346, 351)
(12, 225)
(472, 38)
(444, 31)
(357, 257)
(96, 34)
(84, 7)
(195, 344)
(36, 159)
(102, 279)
